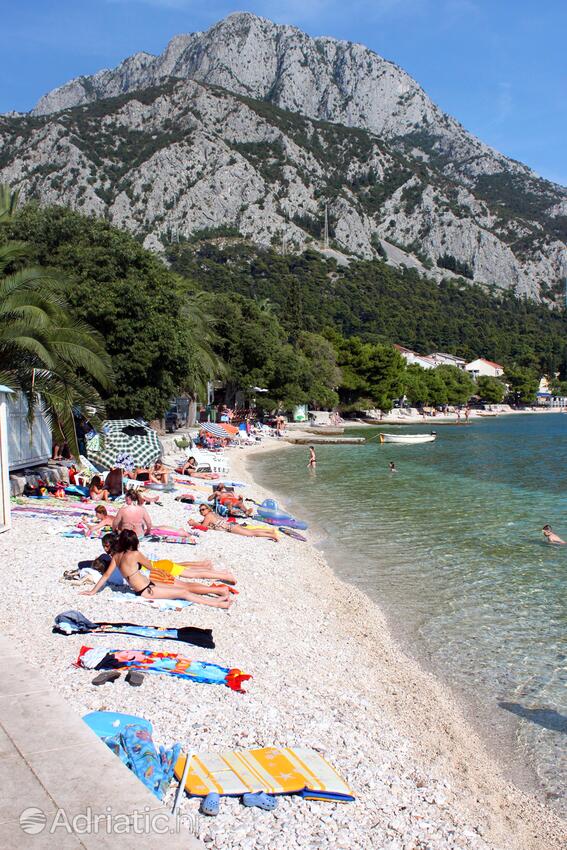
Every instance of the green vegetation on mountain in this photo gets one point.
(299, 327)
(381, 304)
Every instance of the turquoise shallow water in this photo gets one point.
(450, 547)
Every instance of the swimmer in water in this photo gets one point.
(312, 458)
(392, 466)
(551, 536)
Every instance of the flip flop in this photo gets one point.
(210, 805)
(134, 678)
(106, 676)
(261, 800)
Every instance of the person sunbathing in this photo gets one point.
(190, 468)
(233, 503)
(184, 569)
(194, 569)
(97, 492)
(133, 516)
(160, 473)
(217, 523)
(102, 521)
(131, 563)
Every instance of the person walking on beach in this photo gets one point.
(312, 458)
(551, 536)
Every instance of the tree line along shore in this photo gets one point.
(130, 331)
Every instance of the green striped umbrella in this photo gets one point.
(126, 443)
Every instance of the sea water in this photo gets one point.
(450, 547)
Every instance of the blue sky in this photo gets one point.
(498, 66)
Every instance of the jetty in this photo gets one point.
(303, 439)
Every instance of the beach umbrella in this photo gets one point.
(215, 430)
(126, 443)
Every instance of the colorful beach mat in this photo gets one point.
(161, 662)
(150, 538)
(295, 770)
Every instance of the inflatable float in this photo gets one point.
(270, 512)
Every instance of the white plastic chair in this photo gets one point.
(209, 461)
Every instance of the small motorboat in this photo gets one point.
(409, 439)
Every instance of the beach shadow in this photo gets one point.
(546, 717)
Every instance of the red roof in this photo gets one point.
(492, 363)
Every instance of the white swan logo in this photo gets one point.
(33, 821)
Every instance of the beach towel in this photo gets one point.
(150, 538)
(53, 512)
(135, 748)
(73, 622)
(168, 663)
(79, 532)
(165, 531)
(156, 604)
(169, 538)
(296, 770)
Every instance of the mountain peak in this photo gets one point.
(439, 193)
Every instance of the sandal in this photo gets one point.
(210, 805)
(134, 678)
(261, 800)
(106, 676)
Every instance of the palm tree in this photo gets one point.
(207, 365)
(44, 352)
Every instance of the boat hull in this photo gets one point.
(408, 439)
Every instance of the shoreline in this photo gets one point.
(516, 776)
(474, 708)
(477, 715)
(327, 674)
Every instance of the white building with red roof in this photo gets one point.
(485, 368)
(413, 358)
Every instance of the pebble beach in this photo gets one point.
(327, 674)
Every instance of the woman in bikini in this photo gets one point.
(130, 561)
(190, 467)
(217, 523)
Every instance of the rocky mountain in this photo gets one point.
(256, 128)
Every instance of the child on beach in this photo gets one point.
(102, 520)
(551, 536)
(97, 492)
(312, 458)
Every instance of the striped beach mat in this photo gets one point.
(295, 770)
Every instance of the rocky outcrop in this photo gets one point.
(203, 144)
(185, 159)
